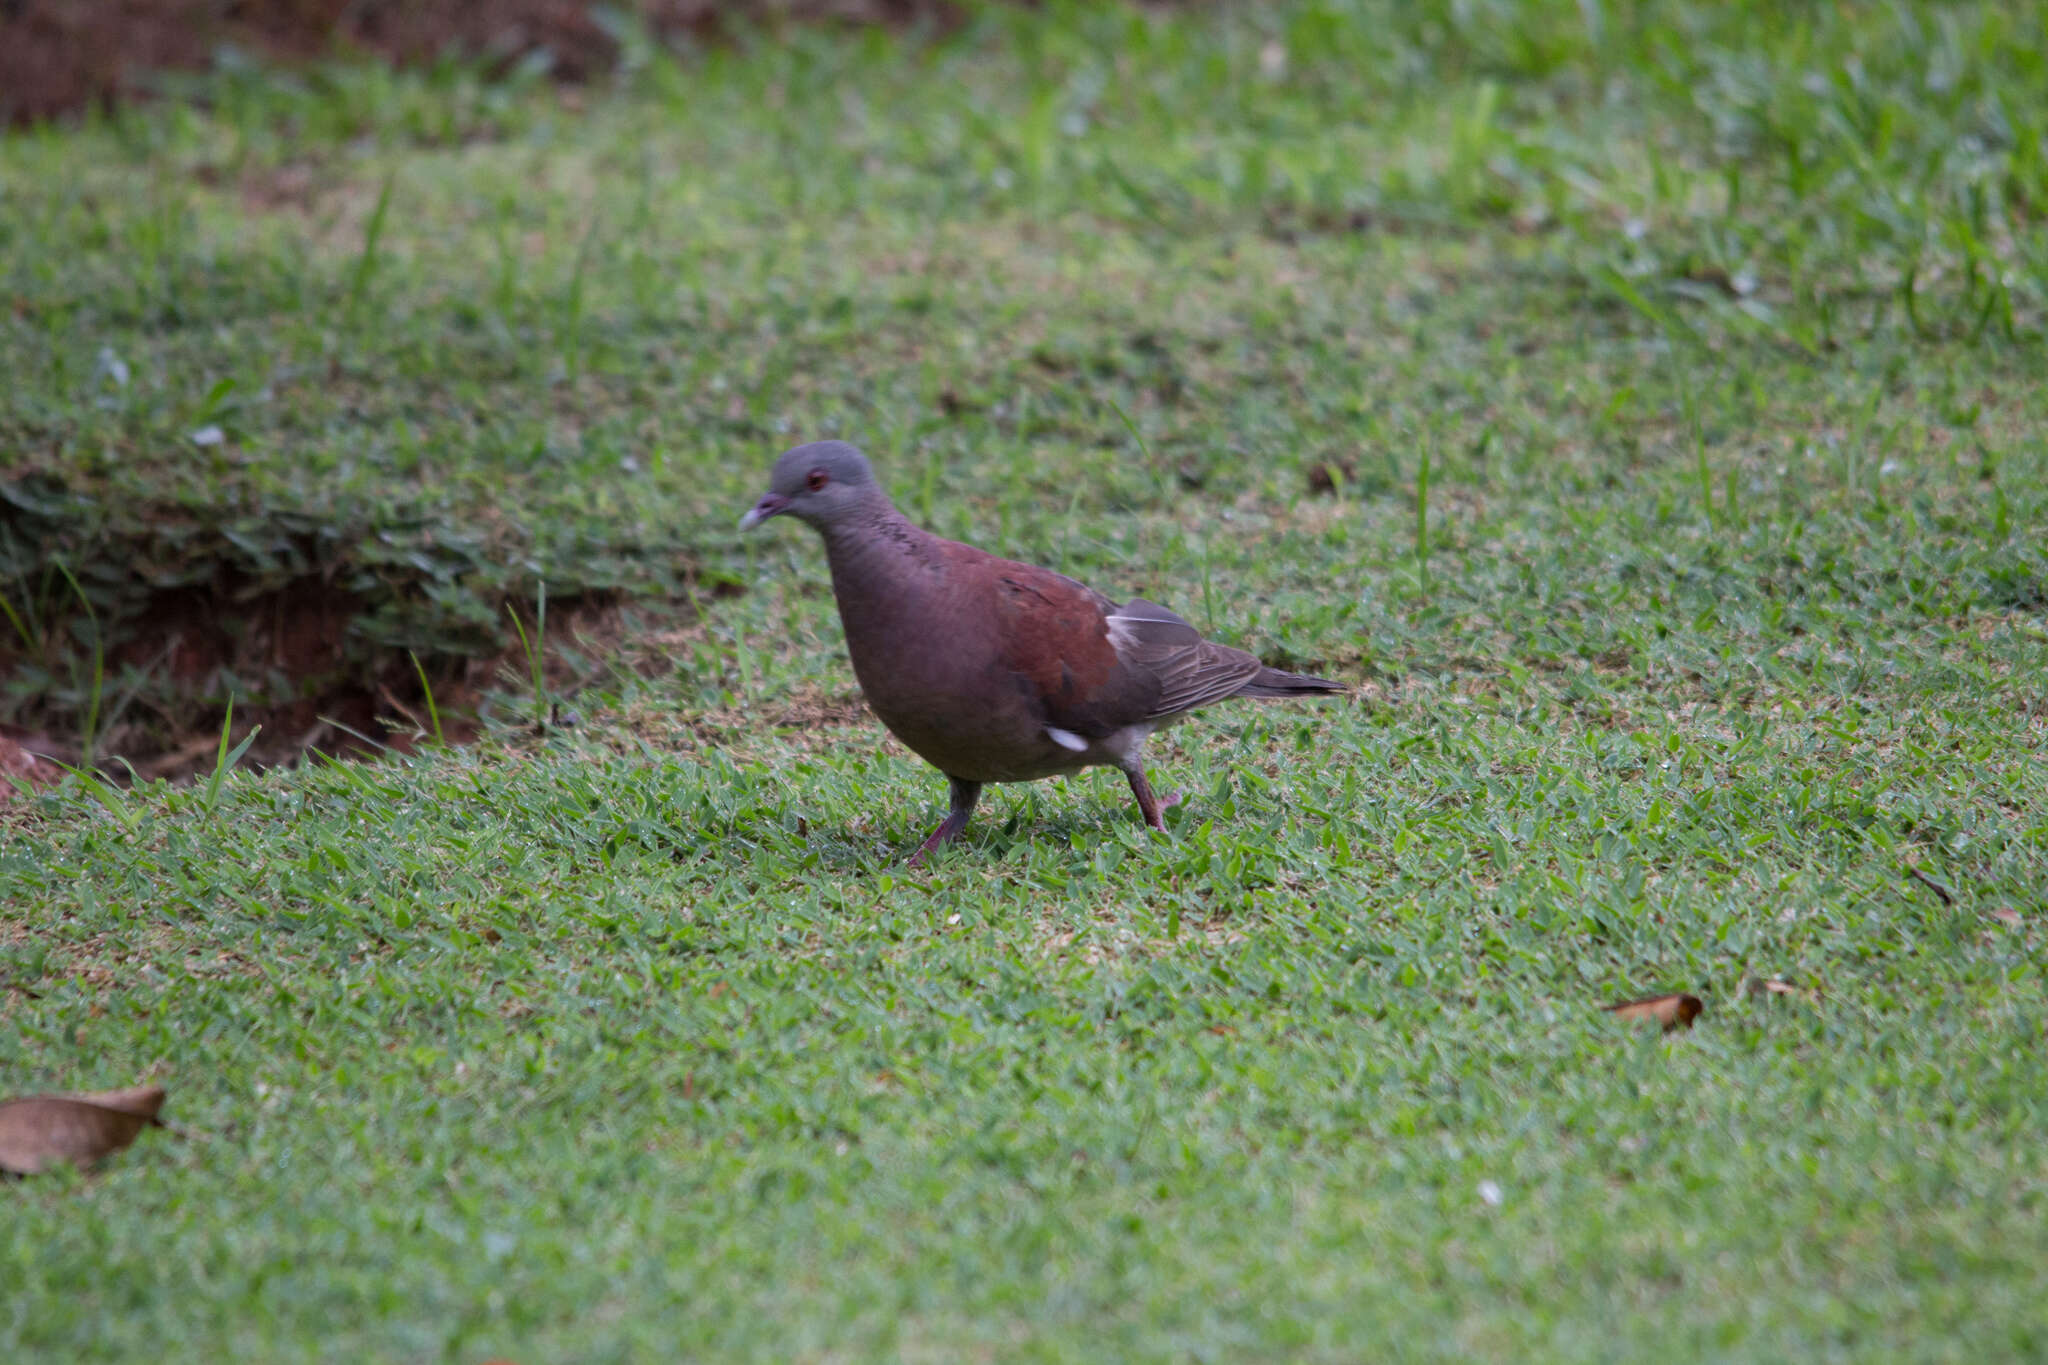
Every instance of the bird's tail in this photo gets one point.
(1272, 682)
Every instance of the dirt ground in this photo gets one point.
(58, 56)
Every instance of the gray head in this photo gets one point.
(819, 483)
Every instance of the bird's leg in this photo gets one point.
(1150, 806)
(965, 794)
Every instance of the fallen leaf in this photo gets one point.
(1326, 477)
(1782, 990)
(1674, 1011)
(40, 1131)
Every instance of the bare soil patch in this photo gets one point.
(61, 56)
(294, 669)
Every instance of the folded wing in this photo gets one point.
(1190, 671)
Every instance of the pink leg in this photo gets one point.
(965, 794)
(1151, 807)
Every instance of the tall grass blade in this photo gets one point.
(88, 739)
(1422, 519)
(373, 237)
(535, 648)
(427, 690)
(28, 641)
(225, 758)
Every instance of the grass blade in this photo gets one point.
(373, 236)
(427, 690)
(1422, 519)
(88, 739)
(225, 758)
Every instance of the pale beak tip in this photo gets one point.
(771, 504)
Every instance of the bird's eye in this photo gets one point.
(816, 479)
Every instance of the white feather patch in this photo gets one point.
(1066, 739)
(1125, 632)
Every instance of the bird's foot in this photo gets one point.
(964, 794)
(938, 836)
(1149, 806)
(1157, 816)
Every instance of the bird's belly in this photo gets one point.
(993, 743)
(981, 745)
(974, 723)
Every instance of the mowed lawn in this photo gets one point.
(1641, 406)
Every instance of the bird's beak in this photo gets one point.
(771, 504)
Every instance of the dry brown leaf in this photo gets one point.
(40, 1131)
(1674, 1011)
(1327, 477)
(1782, 990)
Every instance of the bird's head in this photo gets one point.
(819, 483)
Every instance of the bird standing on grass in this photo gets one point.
(995, 671)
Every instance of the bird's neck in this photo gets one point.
(874, 546)
(879, 560)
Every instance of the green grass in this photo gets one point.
(1722, 602)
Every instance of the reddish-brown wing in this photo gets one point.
(1054, 636)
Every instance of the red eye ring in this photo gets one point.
(816, 479)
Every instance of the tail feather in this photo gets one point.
(1274, 682)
